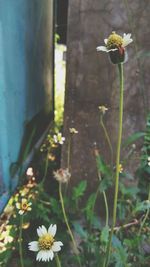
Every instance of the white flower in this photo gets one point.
(115, 41)
(29, 171)
(148, 161)
(59, 138)
(46, 245)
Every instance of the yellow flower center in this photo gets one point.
(114, 40)
(24, 206)
(45, 242)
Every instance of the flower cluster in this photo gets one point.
(58, 138)
(148, 161)
(62, 175)
(5, 236)
(120, 168)
(46, 245)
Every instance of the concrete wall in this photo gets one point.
(92, 80)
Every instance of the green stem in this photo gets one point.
(107, 138)
(105, 201)
(20, 241)
(69, 148)
(106, 208)
(46, 168)
(120, 66)
(146, 215)
(58, 263)
(67, 223)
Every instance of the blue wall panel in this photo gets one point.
(26, 75)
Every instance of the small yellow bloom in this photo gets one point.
(120, 168)
(23, 206)
(103, 109)
(73, 131)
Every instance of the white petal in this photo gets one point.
(57, 246)
(127, 39)
(21, 212)
(52, 230)
(102, 48)
(33, 246)
(105, 41)
(51, 254)
(40, 255)
(45, 255)
(41, 231)
(113, 49)
(18, 205)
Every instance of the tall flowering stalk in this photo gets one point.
(115, 47)
(63, 176)
(23, 206)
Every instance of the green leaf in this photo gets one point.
(105, 235)
(79, 229)
(105, 184)
(120, 253)
(128, 191)
(55, 206)
(143, 206)
(90, 206)
(79, 190)
(102, 166)
(134, 137)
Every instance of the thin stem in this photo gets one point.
(106, 202)
(46, 168)
(106, 208)
(146, 215)
(58, 263)
(69, 148)
(120, 66)
(20, 241)
(67, 223)
(107, 138)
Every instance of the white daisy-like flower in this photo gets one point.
(115, 46)
(46, 246)
(59, 139)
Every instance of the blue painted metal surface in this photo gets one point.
(26, 77)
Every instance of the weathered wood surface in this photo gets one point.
(92, 80)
